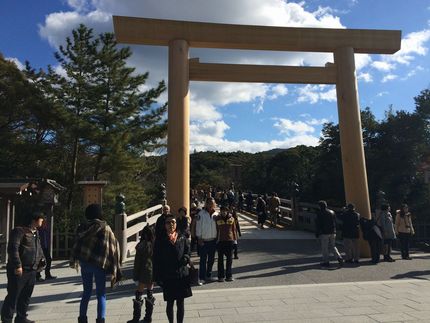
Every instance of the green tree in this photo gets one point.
(107, 122)
(26, 124)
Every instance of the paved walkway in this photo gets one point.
(278, 279)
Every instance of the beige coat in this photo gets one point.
(404, 225)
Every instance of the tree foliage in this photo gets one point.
(91, 117)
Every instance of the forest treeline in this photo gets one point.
(94, 117)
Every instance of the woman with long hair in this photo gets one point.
(404, 229)
(142, 275)
(171, 260)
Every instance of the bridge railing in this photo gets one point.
(127, 227)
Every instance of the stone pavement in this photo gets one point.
(378, 301)
(277, 279)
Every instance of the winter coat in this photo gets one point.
(325, 222)
(24, 249)
(261, 205)
(171, 260)
(183, 226)
(170, 267)
(385, 223)
(351, 224)
(404, 224)
(142, 270)
(370, 230)
(206, 225)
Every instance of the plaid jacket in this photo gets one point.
(97, 245)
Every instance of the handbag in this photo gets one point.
(193, 275)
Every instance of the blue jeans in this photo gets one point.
(88, 271)
(207, 258)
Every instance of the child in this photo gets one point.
(142, 275)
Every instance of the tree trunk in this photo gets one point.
(73, 173)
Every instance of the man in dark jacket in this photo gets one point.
(373, 235)
(326, 231)
(25, 259)
(351, 233)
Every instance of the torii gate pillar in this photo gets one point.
(351, 138)
(178, 155)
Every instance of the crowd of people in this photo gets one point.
(163, 254)
(380, 232)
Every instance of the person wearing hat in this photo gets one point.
(97, 251)
(171, 272)
(25, 259)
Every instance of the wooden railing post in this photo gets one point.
(121, 225)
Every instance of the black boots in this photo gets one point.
(100, 320)
(149, 308)
(137, 311)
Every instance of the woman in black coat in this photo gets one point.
(171, 259)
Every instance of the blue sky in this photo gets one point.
(242, 116)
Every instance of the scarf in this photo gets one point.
(172, 237)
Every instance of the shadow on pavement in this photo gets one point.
(413, 274)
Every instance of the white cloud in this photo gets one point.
(362, 60)
(382, 93)
(317, 122)
(209, 135)
(209, 128)
(314, 93)
(205, 143)
(412, 72)
(412, 44)
(389, 77)
(277, 91)
(154, 59)
(16, 61)
(208, 99)
(383, 66)
(366, 77)
(288, 127)
(59, 25)
(79, 5)
(201, 109)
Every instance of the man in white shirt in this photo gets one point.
(206, 234)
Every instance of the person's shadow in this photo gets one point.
(414, 274)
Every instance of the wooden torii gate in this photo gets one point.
(179, 36)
